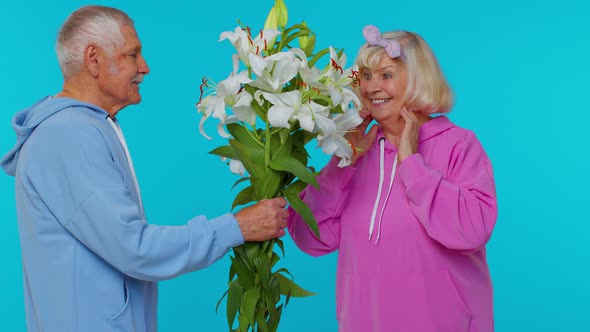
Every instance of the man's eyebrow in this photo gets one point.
(135, 48)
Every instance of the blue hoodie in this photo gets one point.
(90, 259)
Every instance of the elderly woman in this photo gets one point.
(410, 219)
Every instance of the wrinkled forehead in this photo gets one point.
(372, 57)
(378, 60)
(130, 39)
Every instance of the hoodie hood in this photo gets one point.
(25, 122)
(429, 129)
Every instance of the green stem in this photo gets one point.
(267, 145)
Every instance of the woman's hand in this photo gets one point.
(408, 142)
(359, 138)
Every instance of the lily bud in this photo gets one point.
(307, 43)
(281, 13)
(271, 20)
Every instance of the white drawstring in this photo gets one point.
(381, 175)
(378, 198)
(119, 133)
(387, 197)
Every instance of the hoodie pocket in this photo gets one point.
(123, 321)
(437, 305)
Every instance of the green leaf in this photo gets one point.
(260, 320)
(280, 143)
(289, 287)
(240, 252)
(245, 196)
(246, 277)
(269, 185)
(246, 178)
(224, 151)
(300, 26)
(244, 136)
(279, 243)
(273, 322)
(318, 56)
(262, 264)
(251, 157)
(295, 35)
(300, 207)
(220, 300)
(232, 269)
(297, 186)
(323, 100)
(234, 300)
(270, 303)
(252, 249)
(243, 322)
(275, 288)
(275, 259)
(251, 297)
(290, 164)
(300, 138)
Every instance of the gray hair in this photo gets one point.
(98, 25)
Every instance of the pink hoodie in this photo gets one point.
(423, 266)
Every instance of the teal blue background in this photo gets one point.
(519, 70)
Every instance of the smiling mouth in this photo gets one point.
(380, 101)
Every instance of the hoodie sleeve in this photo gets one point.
(326, 205)
(76, 177)
(459, 211)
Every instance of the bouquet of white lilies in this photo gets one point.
(273, 103)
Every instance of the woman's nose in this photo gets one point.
(372, 86)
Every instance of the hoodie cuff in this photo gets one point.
(333, 176)
(227, 231)
(412, 169)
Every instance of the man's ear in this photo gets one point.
(91, 60)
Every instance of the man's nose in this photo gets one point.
(143, 66)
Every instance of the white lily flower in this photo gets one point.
(338, 80)
(288, 107)
(284, 104)
(334, 142)
(246, 45)
(235, 166)
(227, 94)
(243, 109)
(274, 71)
(310, 76)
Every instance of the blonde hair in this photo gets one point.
(427, 89)
(89, 24)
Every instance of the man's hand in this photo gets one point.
(264, 220)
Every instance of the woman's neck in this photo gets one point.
(393, 128)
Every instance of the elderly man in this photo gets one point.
(90, 259)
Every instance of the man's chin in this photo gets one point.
(135, 100)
